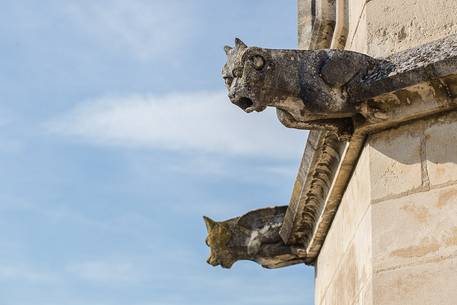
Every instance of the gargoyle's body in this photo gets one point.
(309, 88)
(253, 236)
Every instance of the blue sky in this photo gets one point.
(116, 137)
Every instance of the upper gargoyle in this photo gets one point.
(253, 236)
(309, 88)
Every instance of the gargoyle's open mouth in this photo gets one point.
(246, 104)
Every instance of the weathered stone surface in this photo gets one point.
(404, 239)
(348, 279)
(357, 40)
(412, 103)
(426, 63)
(253, 236)
(357, 30)
(302, 211)
(365, 296)
(441, 150)
(415, 229)
(395, 161)
(324, 24)
(305, 21)
(345, 225)
(397, 25)
(347, 96)
(328, 89)
(306, 86)
(424, 284)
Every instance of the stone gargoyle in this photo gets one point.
(253, 236)
(309, 88)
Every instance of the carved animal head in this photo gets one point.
(245, 75)
(253, 236)
(219, 240)
(311, 89)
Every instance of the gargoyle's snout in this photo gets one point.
(212, 261)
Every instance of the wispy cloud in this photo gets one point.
(198, 121)
(24, 273)
(143, 28)
(102, 271)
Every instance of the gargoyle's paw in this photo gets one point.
(226, 265)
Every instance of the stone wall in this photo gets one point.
(394, 237)
(393, 240)
(383, 27)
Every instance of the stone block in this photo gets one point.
(395, 162)
(441, 150)
(425, 284)
(415, 229)
(396, 25)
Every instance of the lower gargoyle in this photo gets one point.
(253, 236)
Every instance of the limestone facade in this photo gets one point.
(394, 237)
(383, 27)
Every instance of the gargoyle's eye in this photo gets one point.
(228, 81)
(237, 72)
(258, 61)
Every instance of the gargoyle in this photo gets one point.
(309, 88)
(253, 236)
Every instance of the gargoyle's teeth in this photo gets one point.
(249, 109)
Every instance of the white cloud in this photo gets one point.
(196, 122)
(24, 273)
(98, 271)
(143, 28)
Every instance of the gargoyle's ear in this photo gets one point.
(209, 223)
(239, 44)
(227, 49)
